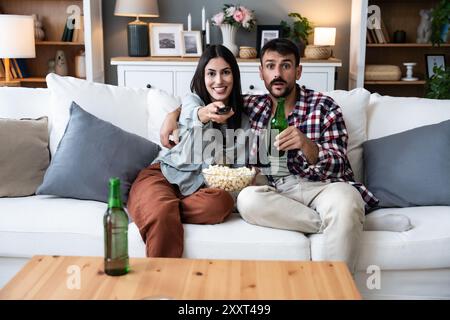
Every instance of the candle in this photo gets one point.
(207, 31)
(203, 18)
(189, 22)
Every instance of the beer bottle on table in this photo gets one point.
(115, 222)
(278, 122)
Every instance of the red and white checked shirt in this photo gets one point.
(321, 120)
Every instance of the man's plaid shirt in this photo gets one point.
(321, 120)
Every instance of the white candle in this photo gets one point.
(189, 22)
(203, 18)
(207, 31)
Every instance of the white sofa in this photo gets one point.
(413, 264)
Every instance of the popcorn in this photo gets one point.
(228, 179)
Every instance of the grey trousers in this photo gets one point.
(334, 209)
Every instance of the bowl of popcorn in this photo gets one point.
(228, 179)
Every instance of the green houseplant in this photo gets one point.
(440, 22)
(299, 31)
(438, 86)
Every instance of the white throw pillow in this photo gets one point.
(124, 107)
(354, 105)
(159, 103)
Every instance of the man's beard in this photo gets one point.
(287, 91)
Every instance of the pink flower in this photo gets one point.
(218, 19)
(238, 16)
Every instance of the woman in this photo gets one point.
(171, 191)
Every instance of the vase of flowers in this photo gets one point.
(229, 20)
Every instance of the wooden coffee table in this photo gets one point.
(56, 277)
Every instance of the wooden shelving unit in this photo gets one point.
(405, 45)
(53, 14)
(396, 15)
(402, 83)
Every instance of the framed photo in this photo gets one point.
(191, 44)
(265, 33)
(432, 60)
(165, 39)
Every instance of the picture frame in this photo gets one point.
(191, 44)
(265, 33)
(165, 39)
(432, 60)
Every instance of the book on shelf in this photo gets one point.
(68, 32)
(22, 66)
(16, 67)
(385, 32)
(2, 69)
(378, 35)
(78, 33)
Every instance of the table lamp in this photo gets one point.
(324, 38)
(137, 31)
(16, 40)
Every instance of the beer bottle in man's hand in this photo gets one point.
(278, 122)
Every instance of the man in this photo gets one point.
(312, 186)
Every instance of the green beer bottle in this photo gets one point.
(115, 222)
(278, 122)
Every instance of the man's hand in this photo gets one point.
(209, 113)
(170, 128)
(293, 139)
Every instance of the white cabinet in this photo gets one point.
(174, 75)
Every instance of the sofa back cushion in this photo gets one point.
(388, 115)
(92, 151)
(24, 155)
(354, 107)
(17, 103)
(124, 107)
(159, 103)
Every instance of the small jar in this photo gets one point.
(247, 52)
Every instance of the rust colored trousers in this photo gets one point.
(159, 210)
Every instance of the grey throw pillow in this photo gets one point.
(90, 152)
(24, 155)
(411, 168)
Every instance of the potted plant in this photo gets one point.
(437, 87)
(299, 31)
(440, 22)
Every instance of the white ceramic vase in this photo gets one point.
(229, 38)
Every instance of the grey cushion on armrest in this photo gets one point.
(411, 168)
(24, 156)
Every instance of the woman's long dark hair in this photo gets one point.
(198, 82)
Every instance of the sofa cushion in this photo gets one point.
(24, 155)
(410, 168)
(389, 115)
(354, 107)
(91, 152)
(124, 107)
(425, 246)
(237, 239)
(55, 226)
(51, 225)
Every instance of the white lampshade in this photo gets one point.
(324, 36)
(137, 8)
(16, 36)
